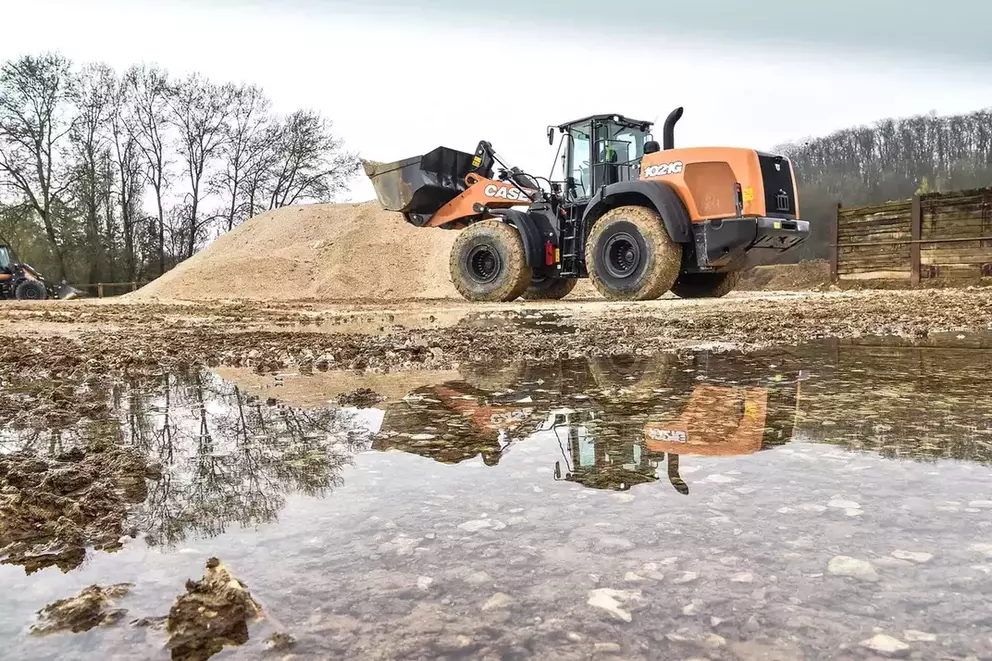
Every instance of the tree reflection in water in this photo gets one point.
(227, 457)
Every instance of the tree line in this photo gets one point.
(108, 176)
(891, 160)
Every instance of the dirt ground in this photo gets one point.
(52, 351)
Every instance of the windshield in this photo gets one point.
(4, 258)
(619, 144)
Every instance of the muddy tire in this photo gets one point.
(549, 289)
(706, 285)
(30, 290)
(630, 256)
(488, 263)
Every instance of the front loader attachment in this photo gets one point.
(417, 187)
(67, 292)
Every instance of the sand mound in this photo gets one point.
(325, 252)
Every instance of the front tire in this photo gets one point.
(544, 288)
(488, 263)
(706, 285)
(30, 290)
(630, 256)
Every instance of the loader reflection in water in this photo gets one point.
(625, 420)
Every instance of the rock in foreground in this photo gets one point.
(213, 613)
(90, 608)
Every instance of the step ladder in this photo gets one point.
(571, 244)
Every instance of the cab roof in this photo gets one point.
(612, 117)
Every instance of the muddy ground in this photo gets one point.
(59, 363)
(54, 354)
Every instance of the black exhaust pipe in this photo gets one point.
(669, 130)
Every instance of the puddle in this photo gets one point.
(791, 504)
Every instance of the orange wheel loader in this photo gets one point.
(637, 217)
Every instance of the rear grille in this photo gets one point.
(780, 190)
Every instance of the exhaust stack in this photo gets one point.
(669, 130)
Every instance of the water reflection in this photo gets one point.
(752, 495)
(617, 421)
(231, 458)
(226, 457)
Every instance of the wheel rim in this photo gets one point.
(623, 255)
(484, 264)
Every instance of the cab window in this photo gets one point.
(618, 150)
(579, 167)
(4, 259)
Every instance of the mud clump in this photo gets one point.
(93, 607)
(280, 641)
(362, 398)
(213, 613)
(51, 509)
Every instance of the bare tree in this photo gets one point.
(149, 124)
(94, 90)
(200, 111)
(310, 165)
(244, 150)
(259, 172)
(34, 125)
(127, 168)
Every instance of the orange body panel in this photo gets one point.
(706, 169)
(5, 276)
(486, 418)
(713, 423)
(489, 192)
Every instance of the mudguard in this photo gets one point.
(657, 194)
(530, 234)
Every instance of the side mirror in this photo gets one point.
(551, 136)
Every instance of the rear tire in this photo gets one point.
(549, 289)
(488, 263)
(630, 256)
(706, 285)
(31, 290)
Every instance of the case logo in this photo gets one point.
(505, 193)
(668, 435)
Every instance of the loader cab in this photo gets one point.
(6, 261)
(601, 150)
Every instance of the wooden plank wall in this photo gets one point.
(963, 221)
(868, 241)
(945, 236)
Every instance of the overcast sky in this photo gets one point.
(400, 77)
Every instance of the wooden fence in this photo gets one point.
(946, 236)
(102, 289)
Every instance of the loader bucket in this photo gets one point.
(422, 184)
(66, 292)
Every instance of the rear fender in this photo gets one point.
(658, 195)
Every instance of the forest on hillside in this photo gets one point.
(890, 160)
(112, 176)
